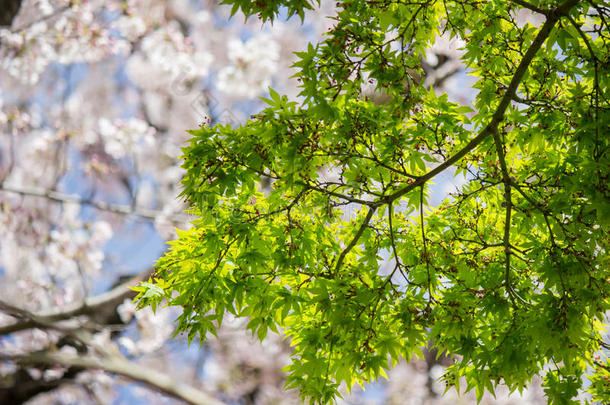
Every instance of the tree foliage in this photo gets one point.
(345, 254)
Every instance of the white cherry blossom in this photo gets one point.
(253, 64)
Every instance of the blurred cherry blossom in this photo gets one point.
(252, 65)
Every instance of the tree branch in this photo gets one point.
(335, 194)
(100, 205)
(95, 307)
(19, 387)
(498, 115)
(425, 244)
(109, 360)
(490, 129)
(118, 365)
(531, 7)
(507, 220)
(8, 11)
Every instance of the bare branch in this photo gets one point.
(20, 387)
(109, 360)
(43, 18)
(100, 205)
(120, 366)
(95, 307)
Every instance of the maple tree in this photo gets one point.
(343, 252)
(94, 100)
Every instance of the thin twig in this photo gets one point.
(42, 19)
(508, 206)
(100, 205)
(423, 237)
(531, 7)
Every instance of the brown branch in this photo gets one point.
(507, 220)
(531, 7)
(120, 366)
(20, 387)
(399, 265)
(95, 307)
(425, 244)
(335, 194)
(109, 360)
(8, 11)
